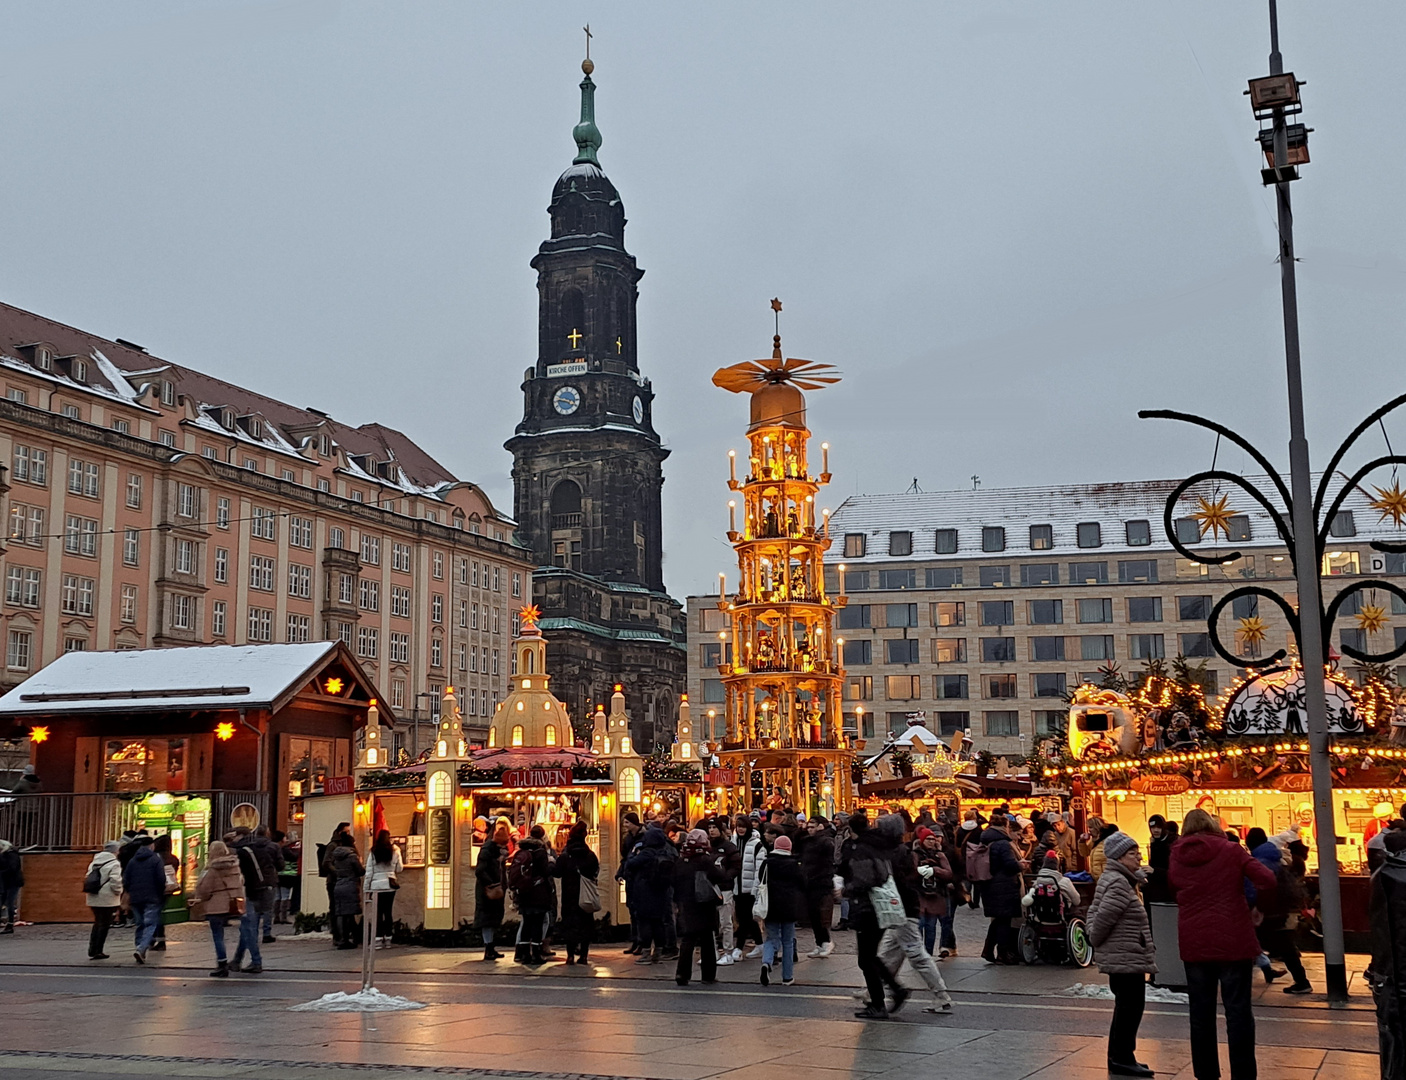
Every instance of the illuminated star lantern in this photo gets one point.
(1372, 618)
(334, 685)
(530, 615)
(1391, 503)
(224, 732)
(38, 734)
(1251, 631)
(1213, 516)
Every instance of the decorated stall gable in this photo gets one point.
(1273, 704)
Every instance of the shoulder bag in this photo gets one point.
(888, 905)
(762, 904)
(590, 895)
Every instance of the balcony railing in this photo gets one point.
(67, 821)
(566, 521)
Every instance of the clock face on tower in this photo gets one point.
(566, 400)
(638, 410)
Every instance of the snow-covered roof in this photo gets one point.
(1064, 507)
(916, 733)
(146, 680)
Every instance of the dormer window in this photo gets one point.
(43, 359)
(254, 426)
(168, 392)
(324, 446)
(80, 371)
(226, 419)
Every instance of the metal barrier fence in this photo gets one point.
(67, 821)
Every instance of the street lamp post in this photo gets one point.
(1281, 96)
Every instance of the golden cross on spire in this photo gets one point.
(574, 336)
(589, 35)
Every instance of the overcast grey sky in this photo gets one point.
(1011, 225)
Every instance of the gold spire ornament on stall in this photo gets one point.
(1390, 503)
(1213, 515)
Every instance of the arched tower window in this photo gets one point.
(566, 501)
(566, 525)
(551, 735)
(528, 664)
(573, 321)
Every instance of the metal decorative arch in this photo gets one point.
(1283, 523)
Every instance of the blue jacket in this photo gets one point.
(145, 877)
(650, 868)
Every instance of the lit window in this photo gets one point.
(629, 785)
(517, 734)
(551, 735)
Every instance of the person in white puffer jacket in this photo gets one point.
(749, 841)
(107, 901)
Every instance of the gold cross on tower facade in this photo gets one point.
(574, 337)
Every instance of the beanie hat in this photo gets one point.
(924, 833)
(1118, 845)
(783, 844)
(1156, 821)
(1052, 859)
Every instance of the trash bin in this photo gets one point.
(1170, 972)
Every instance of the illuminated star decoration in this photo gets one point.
(1213, 515)
(1251, 631)
(334, 685)
(530, 615)
(38, 734)
(224, 731)
(1371, 618)
(1391, 503)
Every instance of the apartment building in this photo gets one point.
(150, 504)
(984, 608)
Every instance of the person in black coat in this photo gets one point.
(865, 863)
(817, 852)
(490, 872)
(576, 862)
(1000, 897)
(697, 880)
(11, 881)
(530, 879)
(1387, 973)
(1157, 889)
(786, 900)
(650, 868)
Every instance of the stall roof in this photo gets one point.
(148, 680)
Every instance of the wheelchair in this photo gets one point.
(1051, 934)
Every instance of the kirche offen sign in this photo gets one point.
(536, 778)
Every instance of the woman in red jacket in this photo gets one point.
(1218, 942)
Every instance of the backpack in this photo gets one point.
(661, 874)
(704, 891)
(93, 882)
(978, 862)
(520, 870)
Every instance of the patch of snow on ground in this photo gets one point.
(308, 935)
(1098, 990)
(362, 1001)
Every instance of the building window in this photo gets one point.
(854, 545)
(1144, 609)
(438, 563)
(994, 576)
(1238, 529)
(300, 532)
(900, 615)
(1048, 684)
(217, 618)
(83, 478)
(857, 580)
(946, 542)
(221, 565)
(17, 652)
(185, 500)
(1040, 574)
(168, 392)
(949, 686)
(323, 484)
(222, 513)
(901, 651)
(1096, 647)
(22, 586)
(18, 396)
(496, 613)
(1246, 607)
(1041, 537)
(1046, 612)
(857, 688)
(77, 595)
(993, 538)
(897, 579)
(1146, 647)
(436, 652)
(185, 557)
(437, 608)
(858, 652)
(1005, 722)
(400, 602)
(949, 613)
(1050, 721)
(263, 524)
(1137, 570)
(949, 723)
(1138, 533)
(1188, 530)
(400, 557)
(1000, 686)
(210, 453)
(80, 535)
(517, 584)
(260, 624)
(495, 662)
(398, 648)
(1045, 649)
(337, 539)
(368, 642)
(300, 581)
(1193, 608)
(903, 687)
(997, 612)
(1088, 573)
(464, 614)
(949, 650)
(1342, 524)
(346, 589)
(31, 465)
(261, 573)
(134, 491)
(370, 550)
(1097, 610)
(1088, 534)
(129, 604)
(1336, 563)
(473, 622)
(945, 577)
(900, 543)
(997, 650)
(181, 607)
(370, 595)
(1194, 645)
(462, 656)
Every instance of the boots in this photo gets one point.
(221, 970)
(582, 958)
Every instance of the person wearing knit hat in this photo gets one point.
(785, 885)
(697, 895)
(1118, 845)
(1123, 949)
(1049, 874)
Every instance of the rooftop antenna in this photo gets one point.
(976, 481)
(913, 488)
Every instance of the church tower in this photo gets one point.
(588, 464)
